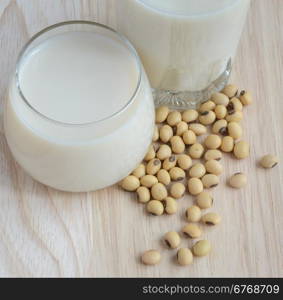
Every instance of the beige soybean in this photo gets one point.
(196, 151)
(163, 177)
(177, 173)
(212, 141)
(169, 162)
(214, 167)
(220, 127)
(204, 200)
(207, 117)
(220, 111)
(173, 118)
(197, 170)
(155, 207)
(227, 144)
(161, 114)
(151, 257)
(189, 115)
(210, 180)
(195, 186)
(201, 248)
(177, 144)
(155, 134)
(153, 166)
(269, 161)
(163, 152)
(148, 181)
(211, 219)
(184, 257)
(172, 239)
(193, 214)
(241, 149)
(213, 154)
(139, 171)
(189, 137)
(237, 104)
(181, 128)
(170, 205)
(235, 130)
(230, 90)
(130, 183)
(165, 133)
(197, 128)
(220, 99)
(177, 190)
(246, 98)
(238, 180)
(159, 191)
(206, 106)
(150, 153)
(143, 194)
(192, 231)
(236, 116)
(184, 161)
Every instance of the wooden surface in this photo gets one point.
(48, 233)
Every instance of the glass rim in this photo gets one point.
(183, 15)
(124, 40)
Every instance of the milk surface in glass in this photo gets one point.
(79, 129)
(185, 45)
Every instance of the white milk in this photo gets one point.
(78, 78)
(184, 44)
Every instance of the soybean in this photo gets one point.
(235, 130)
(161, 114)
(189, 137)
(197, 170)
(213, 154)
(181, 128)
(130, 183)
(150, 153)
(177, 190)
(151, 257)
(153, 166)
(169, 162)
(220, 111)
(193, 214)
(189, 115)
(165, 133)
(155, 134)
(269, 161)
(148, 181)
(192, 231)
(211, 219)
(207, 117)
(177, 174)
(143, 194)
(237, 116)
(197, 128)
(241, 149)
(238, 180)
(201, 248)
(195, 186)
(173, 118)
(172, 239)
(139, 171)
(212, 141)
(158, 191)
(210, 180)
(163, 152)
(220, 127)
(163, 177)
(155, 207)
(246, 98)
(204, 200)
(170, 205)
(177, 144)
(214, 167)
(227, 144)
(230, 90)
(196, 151)
(184, 161)
(206, 106)
(184, 256)
(237, 104)
(220, 99)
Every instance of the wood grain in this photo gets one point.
(46, 233)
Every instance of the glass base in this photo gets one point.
(191, 99)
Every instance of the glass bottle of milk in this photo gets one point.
(186, 46)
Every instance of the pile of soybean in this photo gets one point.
(168, 169)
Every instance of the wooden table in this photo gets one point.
(47, 233)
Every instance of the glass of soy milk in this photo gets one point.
(79, 114)
(186, 46)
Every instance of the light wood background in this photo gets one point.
(46, 233)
